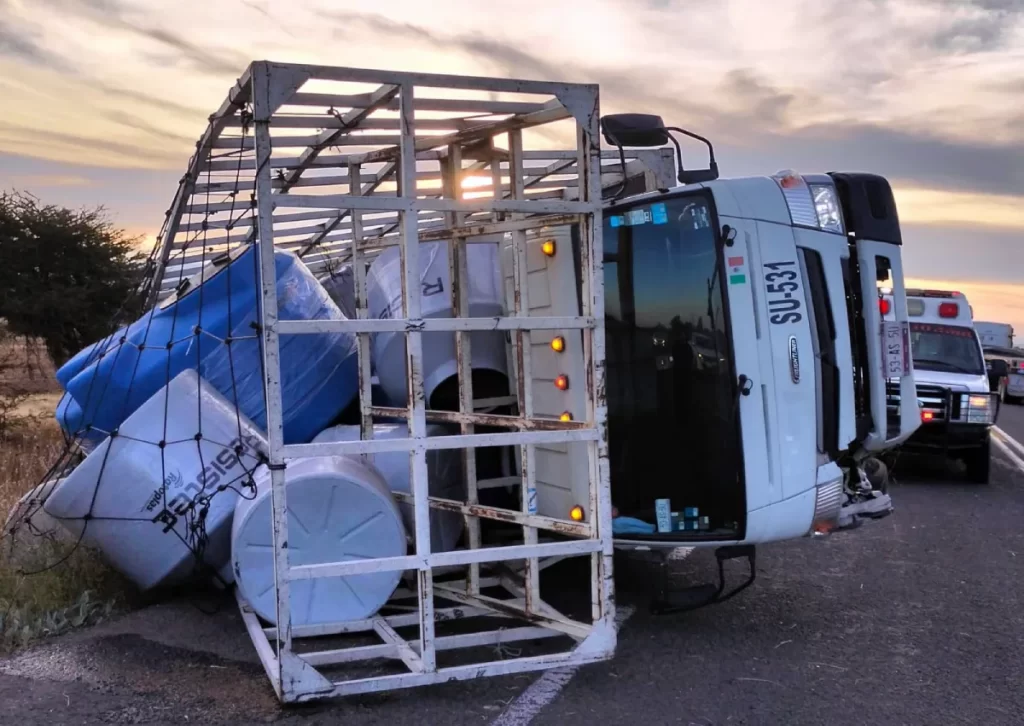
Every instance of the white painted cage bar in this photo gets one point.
(403, 183)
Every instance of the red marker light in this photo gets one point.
(789, 180)
(562, 382)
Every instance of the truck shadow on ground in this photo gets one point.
(918, 469)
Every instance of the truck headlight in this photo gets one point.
(978, 407)
(826, 204)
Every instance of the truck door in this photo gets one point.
(869, 210)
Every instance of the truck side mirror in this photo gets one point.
(999, 368)
(634, 129)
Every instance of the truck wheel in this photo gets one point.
(978, 463)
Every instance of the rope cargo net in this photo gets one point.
(328, 401)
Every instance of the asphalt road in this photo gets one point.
(915, 619)
(1011, 420)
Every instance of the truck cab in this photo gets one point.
(957, 407)
(744, 358)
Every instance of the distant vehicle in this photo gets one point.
(1005, 372)
(997, 335)
(957, 406)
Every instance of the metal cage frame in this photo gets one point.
(409, 121)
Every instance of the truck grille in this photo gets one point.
(936, 400)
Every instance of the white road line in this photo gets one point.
(545, 689)
(1010, 440)
(1010, 447)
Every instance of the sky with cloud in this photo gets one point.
(103, 100)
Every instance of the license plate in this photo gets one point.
(895, 349)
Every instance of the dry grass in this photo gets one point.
(71, 586)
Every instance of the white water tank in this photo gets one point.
(444, 477)
(338, 510)
(384, 293)
(136, 493)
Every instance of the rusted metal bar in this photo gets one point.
(524, 368)
(592, 265)
(565, 625)
(430, 325)
(411, 305)
(459, 276)
(455, 441)
(262, 112)
(362, 313)
(499, 514)
(489, 419)
(444, 559)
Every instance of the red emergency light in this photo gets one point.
(883, 306)
(927, 416)
(948, 310)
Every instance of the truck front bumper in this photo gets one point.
(942, 436)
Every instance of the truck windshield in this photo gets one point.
(950, 348)
(673, 432)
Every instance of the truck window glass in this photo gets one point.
(950, 348)
(858, 345)
(673, 433)
(823, 331)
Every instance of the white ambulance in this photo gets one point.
(957, 407)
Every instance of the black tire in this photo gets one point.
(978, 463)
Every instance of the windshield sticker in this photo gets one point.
(655, 214)
(952, 330)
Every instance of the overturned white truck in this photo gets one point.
(626, 351)
(746, 355)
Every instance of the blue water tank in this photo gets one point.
(208, 325)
